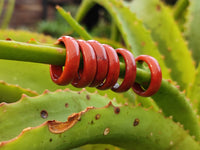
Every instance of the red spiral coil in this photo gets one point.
(101, 67)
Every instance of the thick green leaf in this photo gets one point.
(25, 36)
(12, 93)
(165, 32)
(33, 111)
(192, 29)
(140, 129)
(194, 93)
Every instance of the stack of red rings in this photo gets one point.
(101, 67)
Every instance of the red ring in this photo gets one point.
(130, 74)
(102, 63)
(64, 77)
(113, 70)
(156, 77)
(86, 76)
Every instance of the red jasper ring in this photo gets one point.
(65, 76)
(156, 77)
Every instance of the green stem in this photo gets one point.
(180, 7)
(48, 54)
(8, 15)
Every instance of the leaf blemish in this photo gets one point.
(44, 114)
(117, 110)
(106, 131)
(97, 116)
(60, 127)
(136, 122)
(66, 105)
(88, 97)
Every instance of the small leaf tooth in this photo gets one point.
(95, 92)
(106, 95)
(126, 103)
(46, 91)
(114, 99)
(178, 86)
(24, 96)
(169, 80)
(160, 111)
(26, 129)
(163, 57)
(83, 89)
(67, 89)
(183, 92)
(2, 104)
(59, 90)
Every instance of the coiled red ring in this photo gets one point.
(156, 77)
(101, 67)
(64, 77)
(130, 73)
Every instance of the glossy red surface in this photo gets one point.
(65, 76)
(85, 76)
(101, 67)
(102, 63)
(130, 73)
(113, 68)
(156, 77)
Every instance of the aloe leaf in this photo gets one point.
(180, 8)
(175, 103)
(194, 94)
(33, 111)
(165, 32)
(192, 29)
(12, 93)
(24, 36)
(141, 129)
(136, 37)
(27, 75)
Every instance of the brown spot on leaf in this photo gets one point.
(8, 39)
(136, 122)
(117, 110)
(158, 7)
(88, 97)
(66, 105)
(44, 114)
(97, 116)
(50, 140)
(143, 43)
(60, 127)
(106, 131)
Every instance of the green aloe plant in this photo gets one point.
(35, 113)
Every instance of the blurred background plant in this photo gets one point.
(41, 16)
